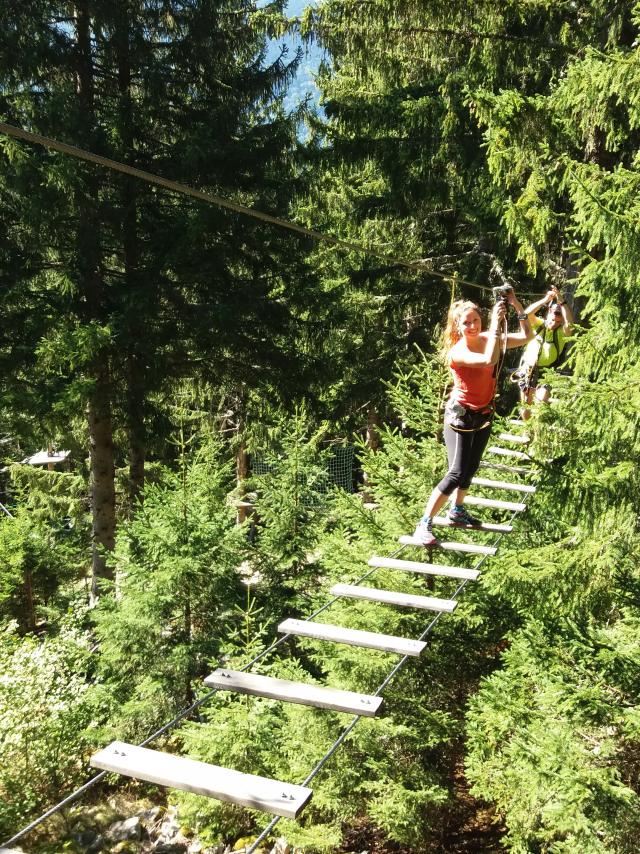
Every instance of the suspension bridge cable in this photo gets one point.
(183, 189)
(190, 709)
(348, 729)
(185, 713)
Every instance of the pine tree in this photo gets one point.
(121, 302)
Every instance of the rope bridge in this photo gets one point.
(283, 798)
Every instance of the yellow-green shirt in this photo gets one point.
(548, 351)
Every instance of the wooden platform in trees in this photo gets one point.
(503, 484)
(491, 527)
(460, 572)
(502, 467)
(507, 452)
(516, 439)
(468, 548)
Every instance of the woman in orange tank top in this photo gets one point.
(472, 355)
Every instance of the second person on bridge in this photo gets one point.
(473, 356)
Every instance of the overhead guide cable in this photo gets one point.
(185, 190)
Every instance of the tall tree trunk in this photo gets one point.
(29, 619)
(242, 473)
(103, 495)
(136, 434)
(102, 468)
(187, 590)
(134, 377)
(242, 457)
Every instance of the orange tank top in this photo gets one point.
(473, 387)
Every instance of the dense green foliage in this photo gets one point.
(46, 717)
(159, 339)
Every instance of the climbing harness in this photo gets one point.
(526, 375)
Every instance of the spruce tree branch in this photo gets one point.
(446, 32)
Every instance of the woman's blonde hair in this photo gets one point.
(452, 332)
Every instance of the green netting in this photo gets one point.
(339, 467)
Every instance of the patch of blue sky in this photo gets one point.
(304, 84)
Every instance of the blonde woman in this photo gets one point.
(472, 355)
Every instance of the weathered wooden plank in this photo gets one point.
(469, 548)
(294, 692)
(212, 781)
(43, 458)
(495, 503)
(354, 637)
(517, 422)
(500, 467)
(507, 452)
(503, 484)
(424, 568)
(485, 526)
(512, 437)
(394, 597)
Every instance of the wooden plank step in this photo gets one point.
(511, 437)
(485, 526)
(517, 422)
(212, 781)
(424, 568)
(507, 452)
(503, 484)
(294, 692)
(495, 503)
(501, 467)
(469, 548)
(394, 597)
(355, 637)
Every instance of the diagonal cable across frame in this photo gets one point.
(420, 266)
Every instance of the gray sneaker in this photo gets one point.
(462, 517)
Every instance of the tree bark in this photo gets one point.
(242, 457)
(102, 486)
(242, 473)
(29, 624)
(135, 394)
(373, 443)
(91, 283)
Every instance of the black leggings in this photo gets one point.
(464, 450)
